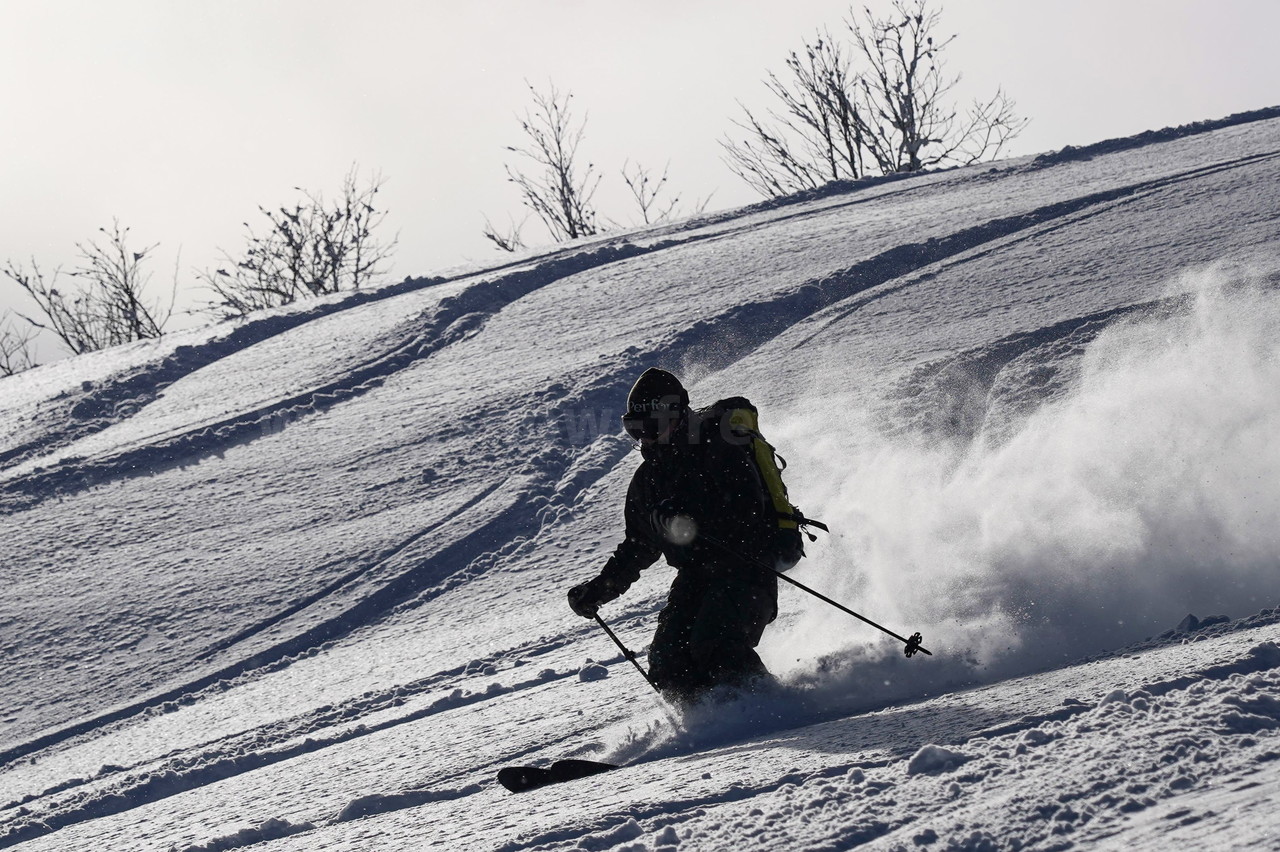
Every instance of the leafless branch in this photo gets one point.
(105, 306)
(645, 190)
(816, 133)
(891, 112)
(558, 189)
(16, 351)
(310, 249)
(510, 240)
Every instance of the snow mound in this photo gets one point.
(628, 831)
(592, 671)
(935, 759)
(373, 804)
(272, 829)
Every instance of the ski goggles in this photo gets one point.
(643, 427)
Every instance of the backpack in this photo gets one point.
(739, 423)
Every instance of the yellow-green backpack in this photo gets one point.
(744, 427)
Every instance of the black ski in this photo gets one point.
(517, 779)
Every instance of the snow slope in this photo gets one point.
(297, 583)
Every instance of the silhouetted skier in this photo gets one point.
(698, 499)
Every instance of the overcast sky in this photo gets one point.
(179, 118)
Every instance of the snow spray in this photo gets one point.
(1146, 490)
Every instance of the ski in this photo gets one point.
(517, 779)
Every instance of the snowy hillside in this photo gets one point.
(298, 583)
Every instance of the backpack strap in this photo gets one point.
(804, 523)
(743, 420)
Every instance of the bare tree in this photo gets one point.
(884, 103)
(816, 136)
(910, 122)
(646, 191)
(511, 239)
(556, 189)
(310, 249)
(15, 347)
(105, 306)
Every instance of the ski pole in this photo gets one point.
(912, 645)
(630, 655)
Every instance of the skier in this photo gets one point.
(697, 499)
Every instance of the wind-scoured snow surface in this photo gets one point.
(297, 582)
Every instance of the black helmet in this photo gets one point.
(656, 403)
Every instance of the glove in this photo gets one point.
(673, 525)
(585, 599)
(662, 516)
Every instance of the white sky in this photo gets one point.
(180, 117)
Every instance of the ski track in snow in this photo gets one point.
(298, 583)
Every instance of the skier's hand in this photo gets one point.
(672, 524)
(662, 515)
(584, 600)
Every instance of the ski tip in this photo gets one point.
(518, 779)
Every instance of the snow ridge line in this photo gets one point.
(614, 823)
(484, 299)
(740, 330)
(927, 397)
(736, 332)
(1070, 153)
(371, 805)
(180, 776)
(111, 401)
(473, 554)
(345, 580)
(282, 651)
(359, 613)
(323, 718)
(365, 806)
(114, 399)
(375, 803)
(272, 829)
(1262, 657)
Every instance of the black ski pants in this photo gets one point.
(707, 634)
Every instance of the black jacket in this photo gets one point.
(706, 474)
